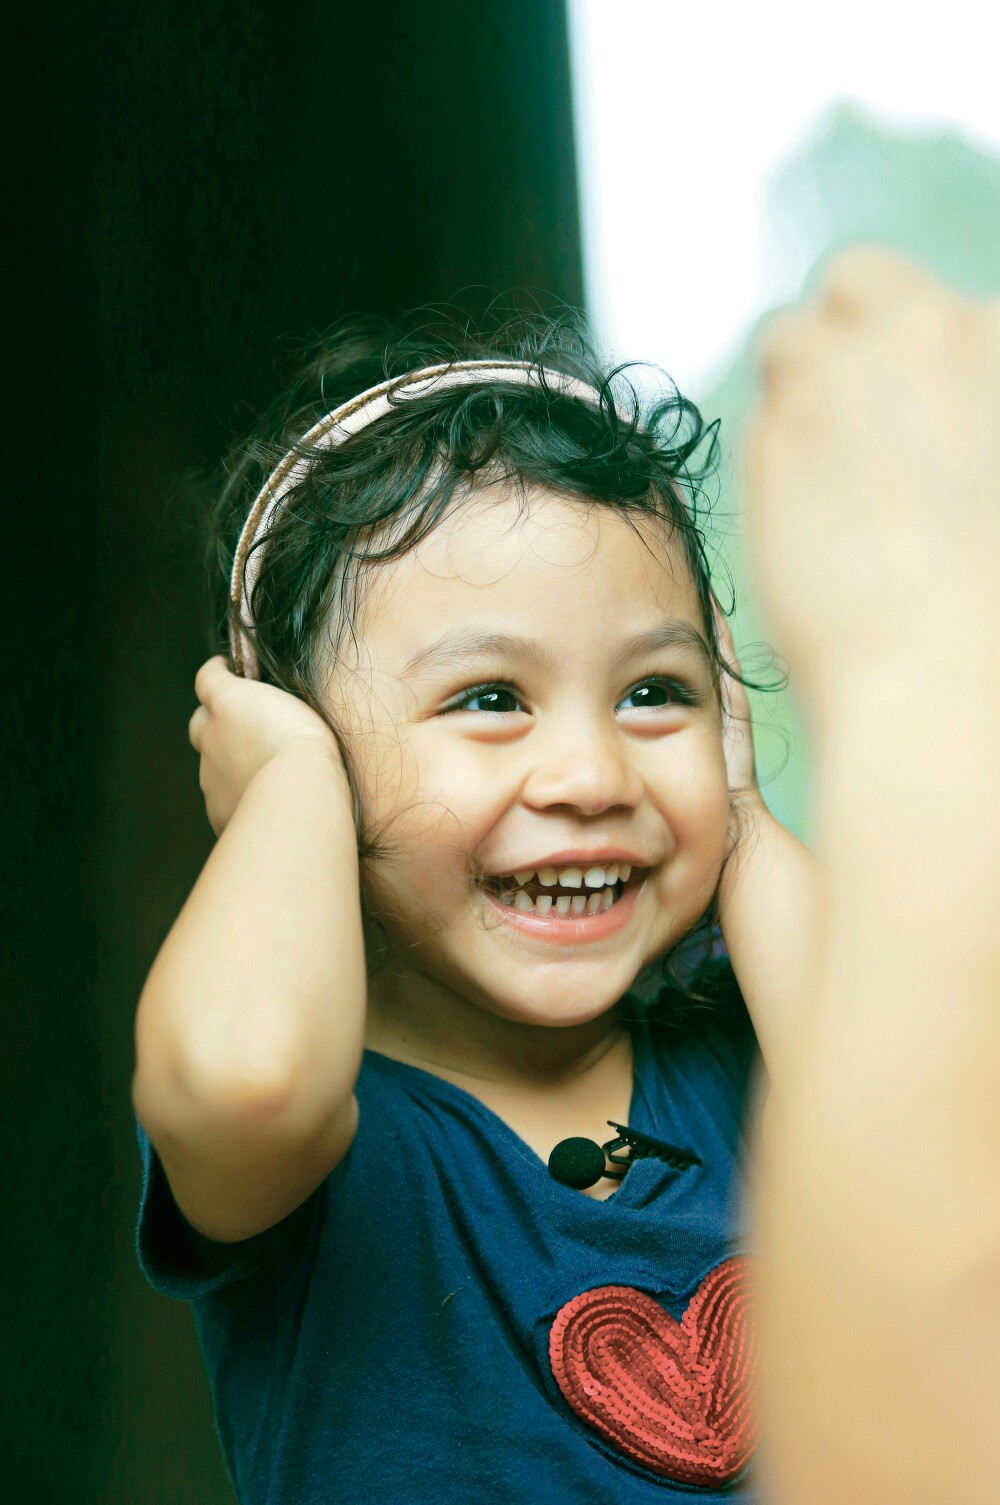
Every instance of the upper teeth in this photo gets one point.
(575, 877)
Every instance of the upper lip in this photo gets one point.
(573, 858)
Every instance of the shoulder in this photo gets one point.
(709, 1005)
(180, 1261)
(706, 1030)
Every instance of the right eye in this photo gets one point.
(500, 699)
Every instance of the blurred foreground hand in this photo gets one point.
(873, 466)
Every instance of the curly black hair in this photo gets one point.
(372, 499)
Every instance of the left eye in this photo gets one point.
(487, 698)
(654, 694)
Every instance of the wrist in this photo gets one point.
(881, 685)
(907, 809)
(310, 764)
(909, 733)
(751, 800)
(752, 830)
(306, 751)
(750, 821)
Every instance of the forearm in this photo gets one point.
(882, 1177)
(261, 981)
(771, 899)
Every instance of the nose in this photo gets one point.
(587, 768)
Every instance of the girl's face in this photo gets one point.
(532, 713)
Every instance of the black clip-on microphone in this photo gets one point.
(580, 1162)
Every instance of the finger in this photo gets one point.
(196, 728)
(787, 346)
(863, 286)
(722, 627)
(730, 658)
(209, 675)
(867, 283)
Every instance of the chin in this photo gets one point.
(571, 1014)
(550, 997)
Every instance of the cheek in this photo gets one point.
(430, 810)
(700, 824)
(698, 802)
(390, 781)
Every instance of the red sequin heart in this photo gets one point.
(675, 1396)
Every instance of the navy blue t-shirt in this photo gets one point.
(442, 1322)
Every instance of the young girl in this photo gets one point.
(484, 793)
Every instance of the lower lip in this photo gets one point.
(577, 931)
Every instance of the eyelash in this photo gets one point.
(683, 693)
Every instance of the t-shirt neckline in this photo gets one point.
(507, 1138)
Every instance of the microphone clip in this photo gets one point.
(643, 1147)
(580, 1162)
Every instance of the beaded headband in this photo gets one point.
(333, 430)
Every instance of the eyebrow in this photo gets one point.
(674, 632)
(459, 646)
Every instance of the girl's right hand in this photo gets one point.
(239, 726)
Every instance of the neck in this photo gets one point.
(420, 1021)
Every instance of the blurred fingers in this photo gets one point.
(196, 728)
(870, 282)
(863, 289)
(210, 675)
(789, 347)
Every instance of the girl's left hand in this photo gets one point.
(737, 724)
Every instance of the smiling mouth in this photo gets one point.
(569, 893)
